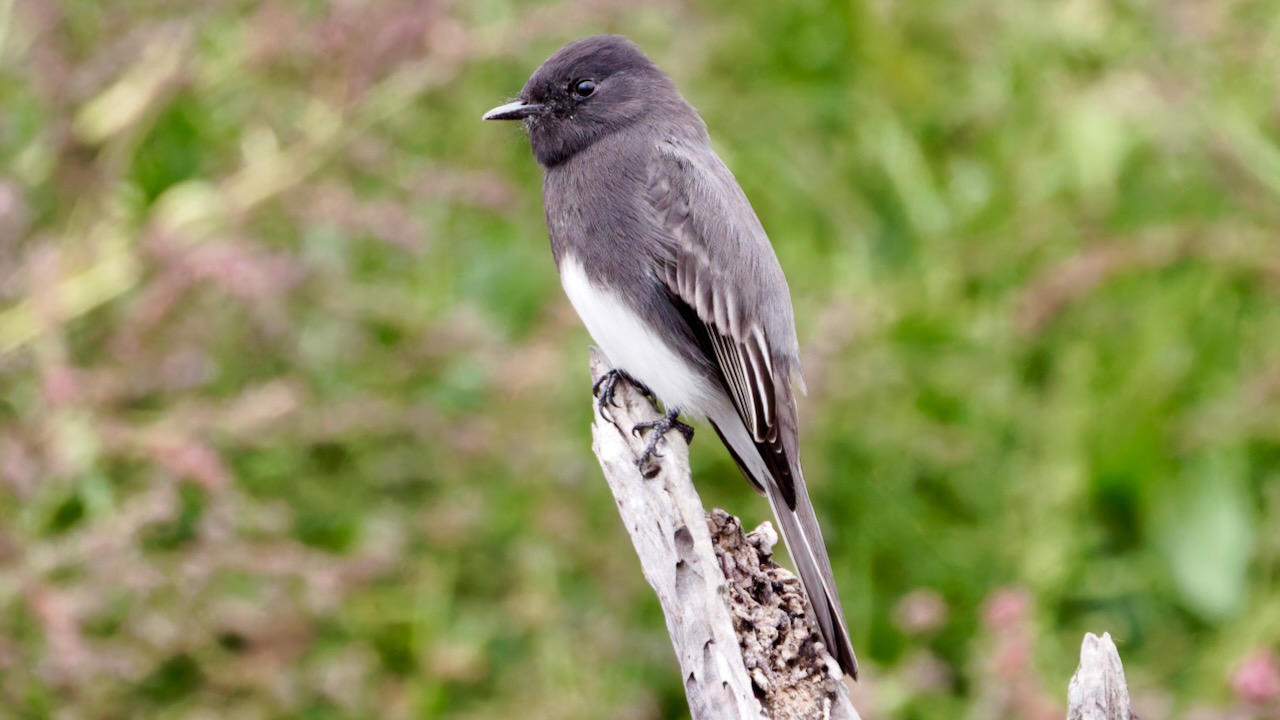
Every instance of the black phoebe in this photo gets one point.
(670, 270)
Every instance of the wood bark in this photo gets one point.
(1098, 690)
(738, 622)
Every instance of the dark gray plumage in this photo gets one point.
(665, 261)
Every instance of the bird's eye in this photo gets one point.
(583, 88)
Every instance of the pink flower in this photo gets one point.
(920, 611)
(1006, 609)
(1257, 679)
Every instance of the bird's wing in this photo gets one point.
(719, 266)
(720, 263)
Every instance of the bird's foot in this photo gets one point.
(660, 428)
(605, 387)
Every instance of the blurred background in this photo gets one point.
(294, 417)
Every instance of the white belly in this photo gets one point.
(634, 346)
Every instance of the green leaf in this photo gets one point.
(1205, 530)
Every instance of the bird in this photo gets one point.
(666, 263)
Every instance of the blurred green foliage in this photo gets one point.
(294, 418)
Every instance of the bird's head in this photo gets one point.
(587, 90)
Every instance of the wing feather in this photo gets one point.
(730, 362)
(740, 342)
(729, 287)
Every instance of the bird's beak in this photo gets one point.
(517, 110)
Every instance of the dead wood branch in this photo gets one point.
(738, 621)
(1098, 690)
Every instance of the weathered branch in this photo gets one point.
(737, 621)
(1098, 690)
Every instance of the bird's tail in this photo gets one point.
(804, 541)
(774, 471)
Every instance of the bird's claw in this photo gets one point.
(605, 389)
(660, 428)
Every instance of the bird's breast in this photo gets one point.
(633, 343)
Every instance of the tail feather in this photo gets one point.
(800, 531)
(799, 527)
